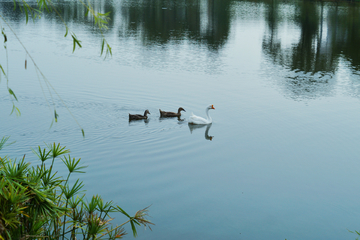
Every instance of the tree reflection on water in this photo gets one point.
(327, 33)
(320, 34)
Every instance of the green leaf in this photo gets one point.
(3, 141)
(13, 109)
(109, 49)
(74, 202)
(42, 154)
(67, 31)
(26, 14)
(122, 211)
(69, 193)
(133, 228)
(72, 164)
(43, 4)
(56, 116)
(12, 93)
(83, 132)
(102, 46)
(5, 37)
(90, 207)
(18, 113)
(78, 43)
(57, 150)
(75, 42)
(103, 21)
(2, 70)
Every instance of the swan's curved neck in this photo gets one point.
(207, 114)
(207, 137)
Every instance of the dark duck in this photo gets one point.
(139, 116)
(171, 114)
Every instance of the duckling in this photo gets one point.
(138, 116)
(171, 114)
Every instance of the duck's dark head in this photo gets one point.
(181, 109)
(146, 112)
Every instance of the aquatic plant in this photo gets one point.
(36, 203)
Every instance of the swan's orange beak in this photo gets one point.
(212, 107)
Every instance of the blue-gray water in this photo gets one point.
(283, 160)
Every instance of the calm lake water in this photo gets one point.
(281, 159)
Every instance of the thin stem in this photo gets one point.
(59, 235)
(52, 163)
(65, 219)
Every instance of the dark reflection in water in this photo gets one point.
(326, 29)
(134, 122)
(154, 21)
(192, 127)
(180, 120)
(321, 39)
(321, 34)
(327, 33)
(160, 21)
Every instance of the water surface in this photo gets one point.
(281, 157)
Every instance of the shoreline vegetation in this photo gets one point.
(36, 203)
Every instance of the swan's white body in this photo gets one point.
(193, 119)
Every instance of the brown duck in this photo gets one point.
(171, 114)
(138, 116)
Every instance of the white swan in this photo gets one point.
(193, 119)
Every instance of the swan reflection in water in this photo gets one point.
(192, 127)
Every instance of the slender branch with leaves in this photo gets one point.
(35, 12)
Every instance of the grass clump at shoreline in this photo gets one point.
(36, 203)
